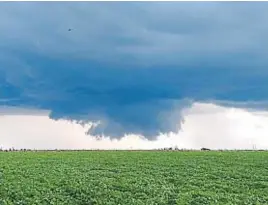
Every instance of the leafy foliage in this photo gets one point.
(133, 177)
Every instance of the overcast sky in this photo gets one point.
(133, 67)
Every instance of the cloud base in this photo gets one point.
(205, 125)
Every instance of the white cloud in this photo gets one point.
(205, 125)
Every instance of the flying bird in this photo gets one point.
(69, 29)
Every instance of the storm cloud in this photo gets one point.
(132, 67)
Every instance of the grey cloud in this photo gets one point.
(131, 65)
(178, 32)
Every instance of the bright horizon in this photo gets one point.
(205, 125)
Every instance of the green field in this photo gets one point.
(134, 177)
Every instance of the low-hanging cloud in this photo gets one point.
(205, 125)
(132, 66)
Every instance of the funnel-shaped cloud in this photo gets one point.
(132, 66)
(205, 125)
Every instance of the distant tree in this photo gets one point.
(205, 149)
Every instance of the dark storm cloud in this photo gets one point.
(133, 66)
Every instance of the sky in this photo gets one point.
(123, 73)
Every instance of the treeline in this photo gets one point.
(160, 149)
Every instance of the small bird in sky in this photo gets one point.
(69, 29)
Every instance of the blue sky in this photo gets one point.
(132, 66)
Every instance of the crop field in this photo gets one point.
(133, 177)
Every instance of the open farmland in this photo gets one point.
(133, 177)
